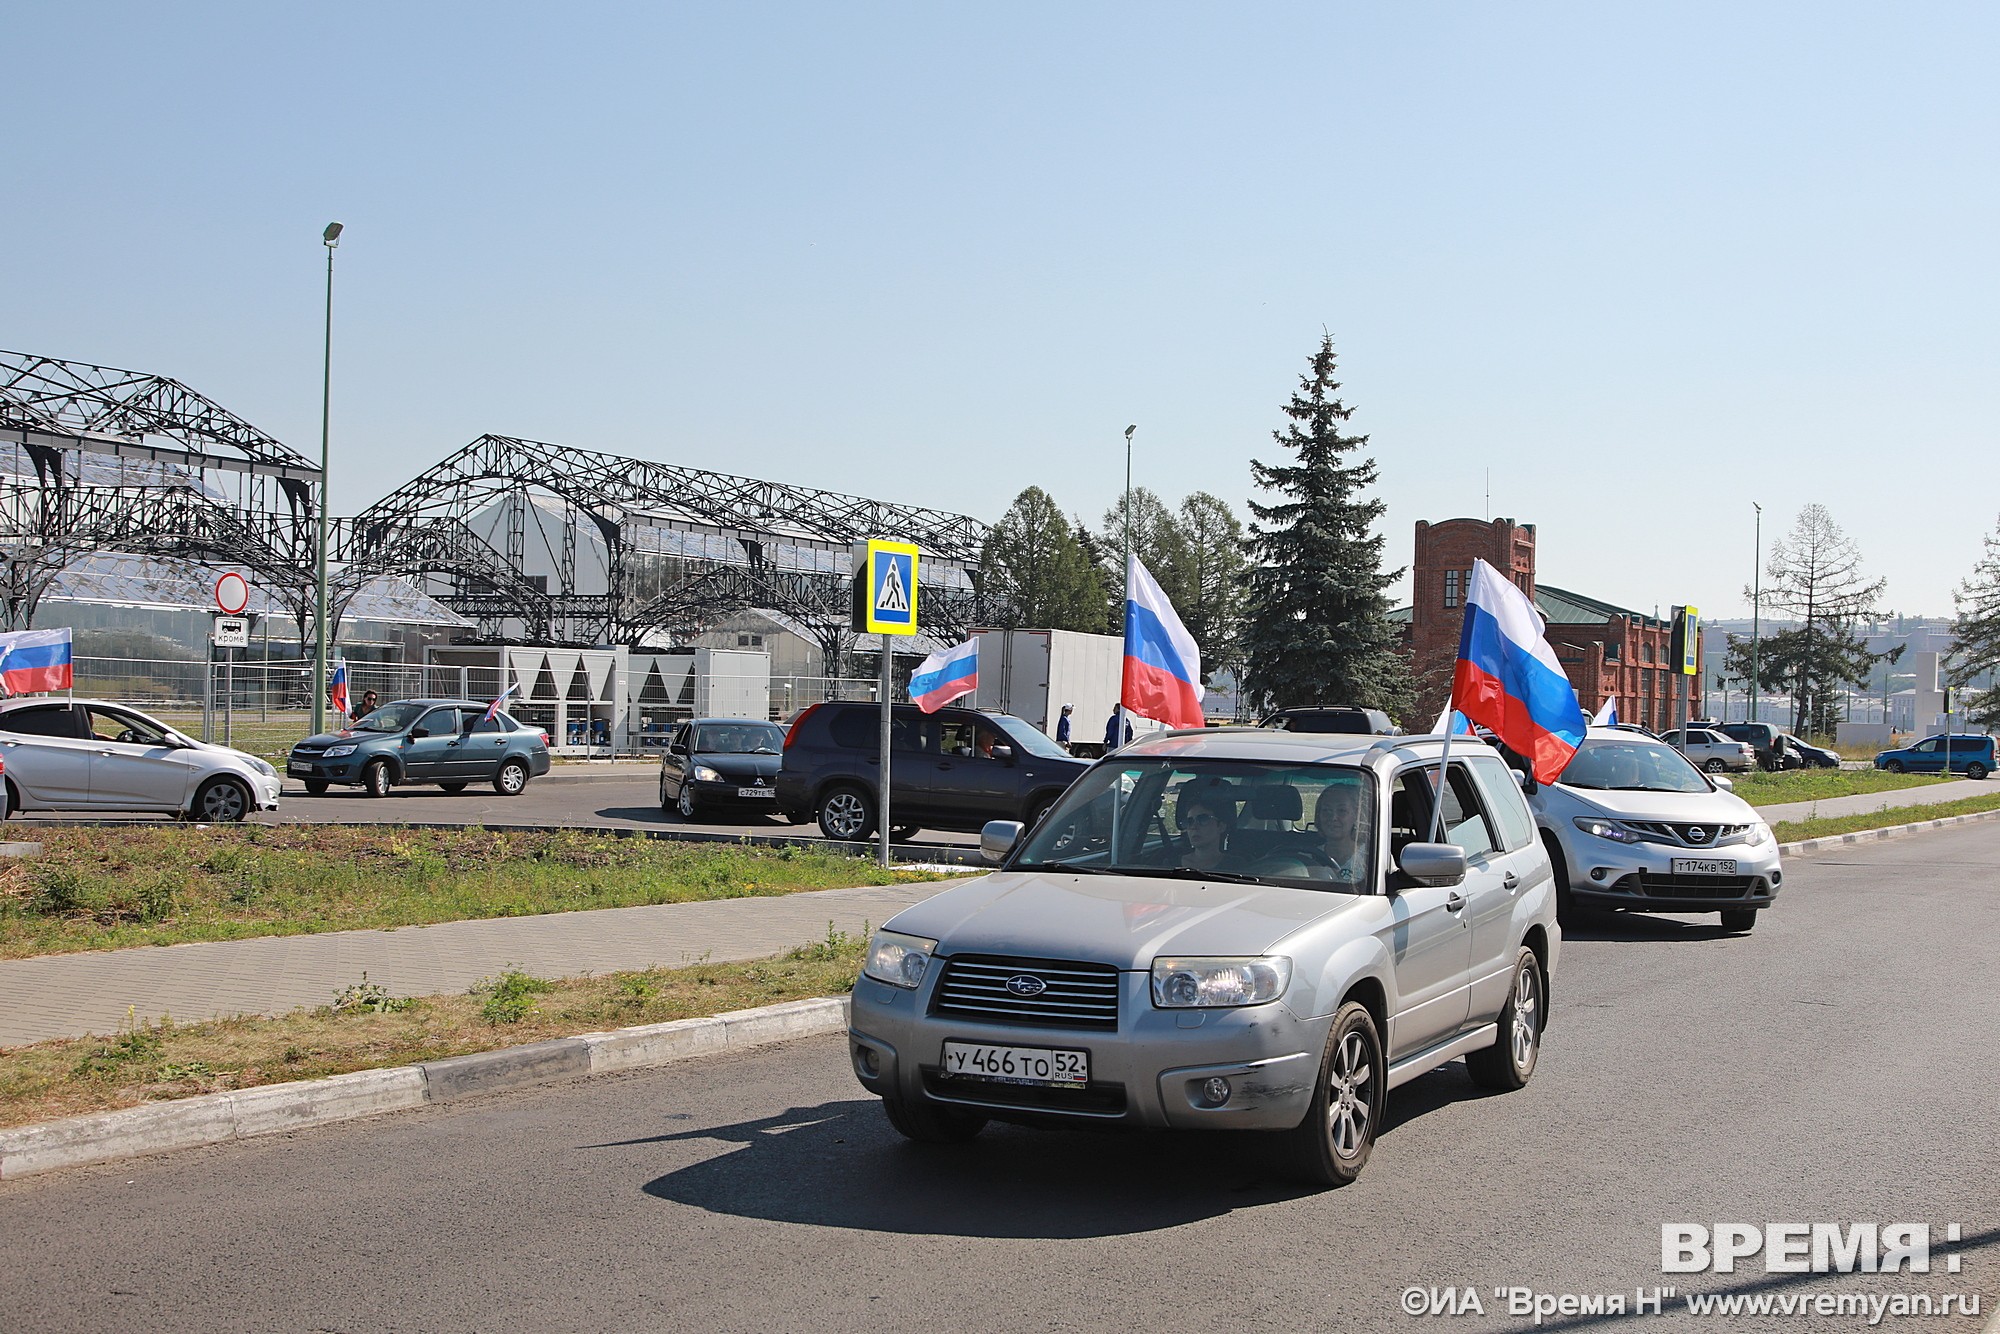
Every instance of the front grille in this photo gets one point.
(1073, 995)
(1098, 1097)
(1683, 832)
(1658, 886)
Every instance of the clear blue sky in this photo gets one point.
(1644, 263)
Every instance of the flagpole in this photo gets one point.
(1437, 802)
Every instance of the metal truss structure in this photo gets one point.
(93, 458)
(531, 541)
(554, 544)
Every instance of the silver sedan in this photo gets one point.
(1234, 929)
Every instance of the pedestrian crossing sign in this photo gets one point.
(889, 574)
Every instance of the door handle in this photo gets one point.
(1510, 880)
(105, 752)
(944, 764)
(1455, 902)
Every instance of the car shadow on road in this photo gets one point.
(839, 1164)
(1632, 926)
(655, 815)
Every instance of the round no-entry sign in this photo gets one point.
(232, 594)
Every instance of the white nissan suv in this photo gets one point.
(1632, 826)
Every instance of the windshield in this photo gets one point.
(1632, 766)
(390, 717)
(1027, 738)
(1305, 825)
(739, 739)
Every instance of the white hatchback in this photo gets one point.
(86, 755)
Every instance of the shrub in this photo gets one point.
(510, 996)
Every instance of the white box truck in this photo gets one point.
(1033, 673)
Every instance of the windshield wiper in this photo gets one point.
(1075, 867)
(763, 750)
(1189, 873)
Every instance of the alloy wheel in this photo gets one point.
(1527, 1027)
(222, 803)
(846, 814)
(1350, 1098)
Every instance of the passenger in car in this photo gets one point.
(1343, 839)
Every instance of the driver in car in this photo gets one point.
(1344, 842)
(1206, 815)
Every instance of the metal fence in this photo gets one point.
(264, 705)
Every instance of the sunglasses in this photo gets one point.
(1200, 817)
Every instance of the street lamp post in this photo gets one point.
(331, 236)
(1756, 604)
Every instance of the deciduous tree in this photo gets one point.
(1035, 573)
(1975, 657)
(1814, 575)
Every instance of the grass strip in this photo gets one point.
(1775, 789)
(1792, 831)
(108, 887)
(364, 1028)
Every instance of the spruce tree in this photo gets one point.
(1316, 628)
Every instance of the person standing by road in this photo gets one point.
(1114, 726)
(1062, 726)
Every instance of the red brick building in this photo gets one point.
(1605, 650)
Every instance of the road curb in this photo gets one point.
(214, 1118)
(1812, 845)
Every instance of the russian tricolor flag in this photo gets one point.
(33, 660)
(1608, 715)
(1508, 679)
(943, 677)
(1162, 664)
(336, 689)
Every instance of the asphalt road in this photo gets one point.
(1834, 1066)
(628, 801)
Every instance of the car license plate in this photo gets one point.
(1700, 866)
(756, 792)
(1017, 1065)
(300, 770)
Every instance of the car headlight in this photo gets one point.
(1186, 984)
(263, 766)
(704, 774)
(899, 960)
(1757, 834)
(335, 752)
(1598, 827)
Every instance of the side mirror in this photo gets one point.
(997, 839)
(1438, 864)
(1723, 781)
(419, 733)
(1004, 754)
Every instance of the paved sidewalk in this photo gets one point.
(68, 995)
(1869, 802)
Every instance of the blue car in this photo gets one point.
(1971, 755)
(449, 742)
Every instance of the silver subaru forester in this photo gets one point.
(1234, 929)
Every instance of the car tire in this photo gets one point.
(1713, 766)
(1975, 771)
(1510, 1062)
(1331, 1145)
(452, 789)
(685, 803)
(1739, 919)
(512, 780)
(10, 799)
(316, 787)
(1894, 766)
(376, 779)
(220, 801)
(846, 813)
(928, 1123)
(903, 833)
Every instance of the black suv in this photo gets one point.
(953, 769)
(1358, 722)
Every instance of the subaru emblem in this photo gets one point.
(1022, 984)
